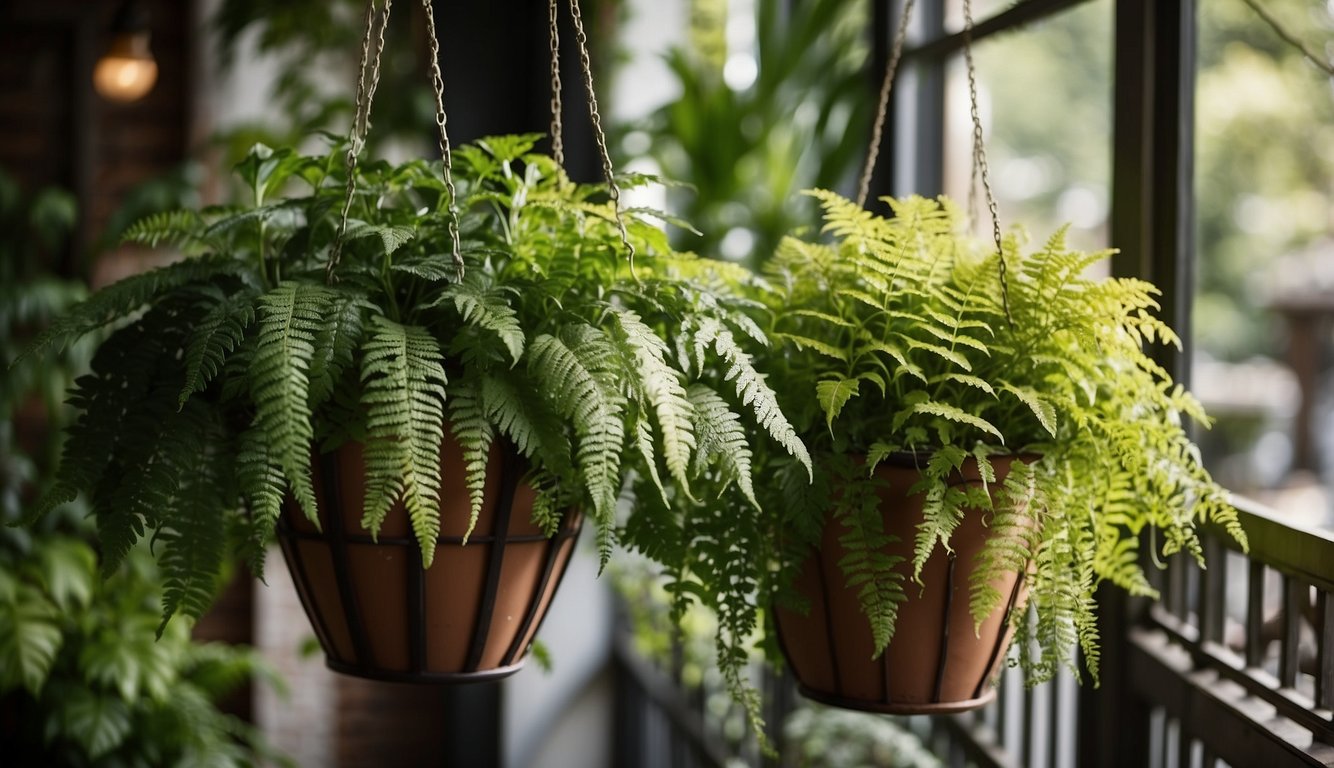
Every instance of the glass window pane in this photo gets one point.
(1045, 95)
(1264, 304)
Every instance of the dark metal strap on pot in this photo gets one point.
(367, 82)
(599, 137)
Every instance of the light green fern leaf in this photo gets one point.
(403, 380)
(660, 386)
(722, 440)
(753, 391)
(833, 394)
(946, 411)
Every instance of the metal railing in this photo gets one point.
(1234, 667)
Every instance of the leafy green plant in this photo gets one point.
(273, 340)
(83, 682)
(747, 149)
(896, 337)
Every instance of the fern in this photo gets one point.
(121, 299)
(404, 382)
(218, 332)
(475, 435)
(895, 336)
(722, 440)
(589, 399)
(290, 318)
(488, 310)
(660, 389)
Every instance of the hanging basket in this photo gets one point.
(936, 662)
(378, 614)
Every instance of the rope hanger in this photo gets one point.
(368, 79)
(979, 152)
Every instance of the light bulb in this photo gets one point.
(127, 71)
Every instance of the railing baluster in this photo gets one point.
(1255, 615)
(1324, 681)
(1294, 595)
(1213, 591)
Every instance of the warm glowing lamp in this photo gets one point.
(127, 71)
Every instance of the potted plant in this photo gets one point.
(987, 445)
(378, 404)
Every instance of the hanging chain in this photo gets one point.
(360, 122)
(557, 139)
(447, 159)
(886, 84)
(367, 83)
(980, 157)
(598, 136)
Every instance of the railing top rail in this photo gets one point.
(1306, 553)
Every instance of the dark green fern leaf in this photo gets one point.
(403, 374)
(290, 317)
(121, 299)
(475, 435)
(216, 334)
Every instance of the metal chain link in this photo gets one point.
(599, 137)
(360, 123)
(557, 139)
(367, 83)
(886, 84)
(980, 157)
(438, 82)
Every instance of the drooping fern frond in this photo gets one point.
(192, 532)
(475, 435)
(121, 299)
(218, 331)
(722, 440)
(290, 318)
(589, 398)
(868, 569)
(752, 389)
(661, 391)
(487, 309)
(403, 375)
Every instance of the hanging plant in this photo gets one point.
(392, 349)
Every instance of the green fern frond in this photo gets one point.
(391, 236)
(192, 531)
(487, 309)
(590, 400)
(335, 344)
(290, 318)
(475, 435)
(659, 387)
(403, 379)
(120, 300)
(722, 440)
(867, 568)
(833, 394)
(947, 411)
(216, 334)
(184, 229)
(752, 390)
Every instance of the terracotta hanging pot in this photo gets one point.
(936, 663)
(378, 614)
